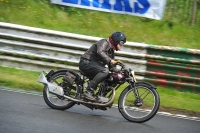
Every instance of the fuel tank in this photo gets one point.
(117, 77)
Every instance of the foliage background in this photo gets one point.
(175, 29)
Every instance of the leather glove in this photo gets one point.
(114, 62)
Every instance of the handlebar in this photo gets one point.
(122, 65)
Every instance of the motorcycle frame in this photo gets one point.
(79, 88)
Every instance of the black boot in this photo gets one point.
(89, 93)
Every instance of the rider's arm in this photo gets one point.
(101, 51)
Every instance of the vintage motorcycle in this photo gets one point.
(137, 102)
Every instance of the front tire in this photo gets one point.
(142, 109)
(55, 101)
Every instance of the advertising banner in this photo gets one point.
(145, 8)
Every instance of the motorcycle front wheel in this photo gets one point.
(140, 103)
(55, 101)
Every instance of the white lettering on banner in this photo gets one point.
(145, 8)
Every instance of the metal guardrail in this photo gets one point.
(40, 49)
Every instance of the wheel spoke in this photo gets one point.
(145, 95)
(56, 82)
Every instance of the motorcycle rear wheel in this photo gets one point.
(55, 101)
(142, 109)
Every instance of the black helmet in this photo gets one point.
(118, 38)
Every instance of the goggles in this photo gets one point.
(121, 43)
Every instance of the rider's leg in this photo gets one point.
(95, 70)
(94, 82)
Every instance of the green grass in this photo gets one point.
(43, 14)
(171, 100)
(179, 100)
(17, 78)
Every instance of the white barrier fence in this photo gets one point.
(40, 49)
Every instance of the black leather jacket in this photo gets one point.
(101, 52)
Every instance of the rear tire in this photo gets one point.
(55, 101)
(141, 111)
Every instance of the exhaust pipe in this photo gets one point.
(110, 102)
(51, 87)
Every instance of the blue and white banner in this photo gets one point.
(145, 8)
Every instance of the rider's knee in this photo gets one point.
(105, 71)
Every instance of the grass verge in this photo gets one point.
(43, 14)
(172, 100)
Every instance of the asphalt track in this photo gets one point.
(27, 113)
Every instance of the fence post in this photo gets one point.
(194, 11)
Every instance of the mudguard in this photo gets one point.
(147, 83)
(48, 76)
(52, 72)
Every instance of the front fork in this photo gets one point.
(138, 100)
(135, 91)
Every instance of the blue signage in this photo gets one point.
(117, 6)
(146, 8)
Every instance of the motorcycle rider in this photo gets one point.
(92, 62)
